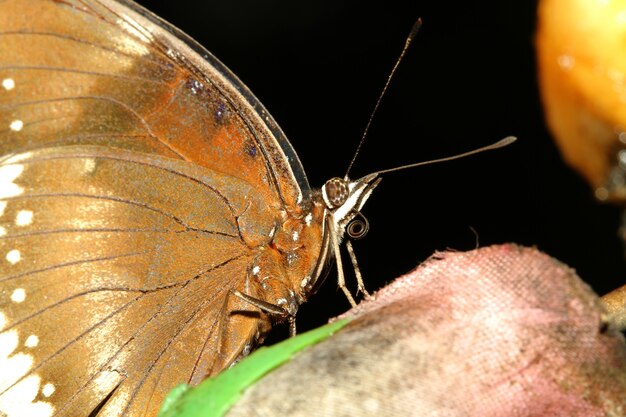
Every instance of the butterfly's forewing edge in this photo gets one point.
(274, 141)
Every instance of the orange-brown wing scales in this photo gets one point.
(178, 358)
(75, 72)
(98, 268)
(71, 84)
(139, 193)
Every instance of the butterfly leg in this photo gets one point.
(222, 322)
(341, 279)
(357, 270)
(269, 308)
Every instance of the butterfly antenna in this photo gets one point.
(497, 145)
(416, 27)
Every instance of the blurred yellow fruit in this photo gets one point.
(581, 50)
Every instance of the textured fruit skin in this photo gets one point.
(502, 331)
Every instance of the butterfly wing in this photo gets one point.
(134, 191)
(107, 72)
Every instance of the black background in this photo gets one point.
(468, 80)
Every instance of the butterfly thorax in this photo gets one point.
(292, 265)
(289, 262)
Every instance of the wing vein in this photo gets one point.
(72, 263)
(69, 343)
(67, 140)
(140, 204)
(168, 170)
(115, 101)
(83, 72)
(94, 230)
(145, 57)
(145, 324)
(182, 327)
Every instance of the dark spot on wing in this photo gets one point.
(250, 148)
(220, 113)
(195, 86)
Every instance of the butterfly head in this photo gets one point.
(344, 199)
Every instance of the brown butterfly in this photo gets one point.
(155, 219)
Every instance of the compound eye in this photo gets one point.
(335, 192)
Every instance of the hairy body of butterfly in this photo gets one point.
(142, 185)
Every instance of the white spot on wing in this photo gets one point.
(3, 321)
(18, 296)
(8, 174)
(17, 158)
(13, 365)
(255, 270)
(3, 231)
(14, 256)
(90, 165)
(24, 218)
(8, 84)
(3, 205)
(295, 235)
(31, 341)
(47, 390)
(16, 125)
(308, 219)
(8, 343)
(20, 400)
